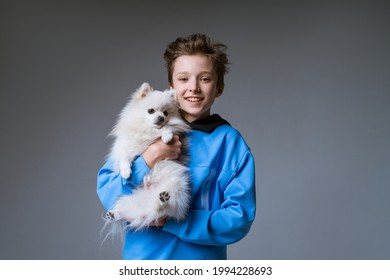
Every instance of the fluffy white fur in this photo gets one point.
(149, 115)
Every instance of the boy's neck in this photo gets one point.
(209, 123)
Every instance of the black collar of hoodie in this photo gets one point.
(208, 124)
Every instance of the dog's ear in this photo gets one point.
(172, 93)
(143, 91)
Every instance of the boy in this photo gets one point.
(221, 165)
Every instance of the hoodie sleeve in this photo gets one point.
(232, 221)
(110, 184)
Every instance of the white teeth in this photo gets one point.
(194, 99)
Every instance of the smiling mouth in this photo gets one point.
(194, 99)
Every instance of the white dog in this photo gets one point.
(150, 115)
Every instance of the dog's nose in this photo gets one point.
(160, 119)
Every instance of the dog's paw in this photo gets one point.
(125, 170)
(126, 173)
(167, 136)
(110, 216)
(164, 197)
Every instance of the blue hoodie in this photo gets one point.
(223, 205)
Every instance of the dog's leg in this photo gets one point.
(147, 182)
(125, 169)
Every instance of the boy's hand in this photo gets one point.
(159, 151)
(161, 222)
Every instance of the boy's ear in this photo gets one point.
(143, 91)
(220, 91)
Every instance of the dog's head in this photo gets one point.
(155, 106)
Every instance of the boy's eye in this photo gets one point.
(151, 111)
(205, 79)
(183, 79)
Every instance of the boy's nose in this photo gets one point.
(194, 87)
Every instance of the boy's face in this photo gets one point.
(195, 81)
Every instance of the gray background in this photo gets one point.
(308, 89)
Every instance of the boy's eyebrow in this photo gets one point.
(186, 73)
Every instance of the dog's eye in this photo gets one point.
(165, 113)
(151, 111)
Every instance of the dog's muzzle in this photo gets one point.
(160, 120)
